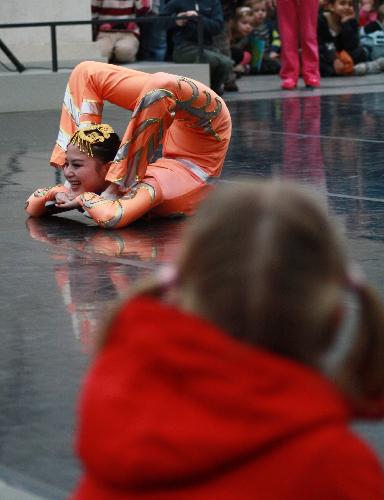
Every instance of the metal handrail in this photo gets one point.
(53, 25)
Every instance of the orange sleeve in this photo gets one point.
(113, 214)
(35, 204)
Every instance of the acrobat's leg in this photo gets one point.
(90, 84)
(151, 118)
(82, 105)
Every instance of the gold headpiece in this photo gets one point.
(84, 141)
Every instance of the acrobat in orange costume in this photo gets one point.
(188, 118)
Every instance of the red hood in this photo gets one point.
(173, 398)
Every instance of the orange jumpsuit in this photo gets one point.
(188, 118)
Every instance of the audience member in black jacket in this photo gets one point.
(338, 31)
(185, 36)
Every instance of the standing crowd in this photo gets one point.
(311, 38)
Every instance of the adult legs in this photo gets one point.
(153, 42)
(288, 19)
(126, 47)
(106, 42)
(308, 35)
(220, 66)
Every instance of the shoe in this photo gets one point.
(231, 86)
(360, 69)
(219, 90)
(239, 69)
(230, 83)
(312, 82)
(288, 84)
(380, 62)
(368, 68)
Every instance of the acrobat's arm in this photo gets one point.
(113, 214)
(38, 203)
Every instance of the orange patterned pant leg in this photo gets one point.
(82, 104)
(149, 122)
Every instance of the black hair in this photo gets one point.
(106, 150)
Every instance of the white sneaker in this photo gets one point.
(373, 67)
(380, 62)
(360, 69)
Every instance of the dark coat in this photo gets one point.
(211, 12)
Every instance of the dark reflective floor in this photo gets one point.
(58, 275)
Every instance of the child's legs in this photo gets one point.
(288, 17)
(126, 47)
(308, 36)
(106, 41)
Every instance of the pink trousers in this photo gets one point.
(298, 28)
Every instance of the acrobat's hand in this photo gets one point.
(66, 204)
(40, 202)
(64, 197)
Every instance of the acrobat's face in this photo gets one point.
(84, 173)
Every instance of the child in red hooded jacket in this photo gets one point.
(214, 382)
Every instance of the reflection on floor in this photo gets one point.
(59, 275)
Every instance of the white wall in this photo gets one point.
(33, 44)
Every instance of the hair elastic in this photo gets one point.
(167, 276)
(355, 277)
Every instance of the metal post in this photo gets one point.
(54, 47)
(200, 39)
(20, 68)
(356, 6)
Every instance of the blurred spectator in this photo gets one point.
(153, 37)
(372, 36)
(222, 41)
(264, 40)
(185, 36)
(297, 21)
(323, 5)
(118, 40)
(241, 27)
(339, 42)
(197, 397)
(367, 12)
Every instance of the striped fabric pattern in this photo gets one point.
(118, 9)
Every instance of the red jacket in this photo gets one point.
(174, 408)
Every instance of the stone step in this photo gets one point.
(42, 89)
